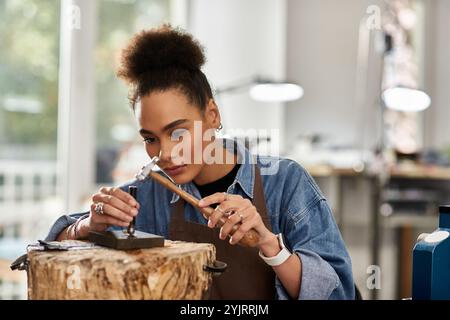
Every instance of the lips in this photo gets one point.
(173, 171)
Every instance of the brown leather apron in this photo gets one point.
(247, 276)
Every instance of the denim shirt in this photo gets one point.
(296, 208)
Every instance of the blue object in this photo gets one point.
(431, 262)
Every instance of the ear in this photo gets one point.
(212, 115)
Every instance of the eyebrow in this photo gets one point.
(166, 127)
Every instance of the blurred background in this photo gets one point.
(370, 121)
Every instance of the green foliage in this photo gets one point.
(29, 61)
(119, 20)
(29, 69)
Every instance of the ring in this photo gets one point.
(218, 209)
(229, 213)
(241, 216)
(226, 196)
(99, 208)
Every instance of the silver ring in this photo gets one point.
(99, 208)
(226, 196)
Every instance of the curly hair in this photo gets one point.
(165, 58)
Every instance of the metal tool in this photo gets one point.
(148, 168)
(132, 190)
(127, 239)
(250, 239)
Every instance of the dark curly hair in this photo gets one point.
(165, 58)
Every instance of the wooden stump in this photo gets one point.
(173, 272)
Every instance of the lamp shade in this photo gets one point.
(406, 99)
(266, 90)
(275, 92)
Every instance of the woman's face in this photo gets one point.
(174, 130)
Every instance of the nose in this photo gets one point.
(165, 153)
(172, 152)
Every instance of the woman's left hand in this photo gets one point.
(236, 209)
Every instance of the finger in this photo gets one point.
(122, 195)
(114, 222)
(230, 196)
(116, 213)
(218, 197)
(222, 210)
(227, 208)
(107, 220)
(228, 226)
(109, 210)
(117, 203)
(236, 204)
(245, 227)
(215, 217)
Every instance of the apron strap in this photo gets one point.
(253, 278)
(177, 212)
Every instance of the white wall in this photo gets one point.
(321, 56)
(437, 54)
(318, 28)
(243, 39)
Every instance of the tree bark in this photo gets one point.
(172, 272)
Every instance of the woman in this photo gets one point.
(300, 254)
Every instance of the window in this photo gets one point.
(29, 32)
(29, 96)
(29, 55)
(119, 151)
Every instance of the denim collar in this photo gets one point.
(245, 176)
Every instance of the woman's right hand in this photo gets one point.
(119, 208)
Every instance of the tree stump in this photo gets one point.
(172, 272)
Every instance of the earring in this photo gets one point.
(219, 128)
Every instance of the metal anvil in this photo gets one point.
(130, 238)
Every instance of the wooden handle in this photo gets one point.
(250, 239)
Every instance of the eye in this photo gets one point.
(178, 133)
(149, 140)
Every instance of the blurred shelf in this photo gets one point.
(412, 171)
(417, 171)
(413, 220)
(324, 170)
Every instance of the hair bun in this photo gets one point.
(160, 48)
